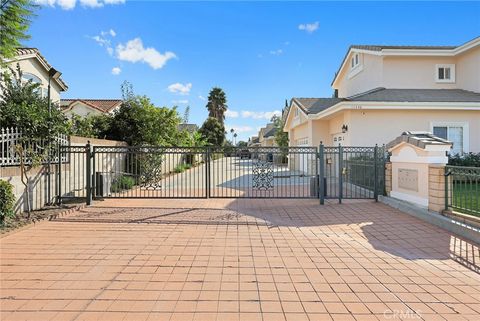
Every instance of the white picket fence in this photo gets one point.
(10, 137)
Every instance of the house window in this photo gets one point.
(445, 73)
(355, 60)
(297, 112)
(26, 77)
(455, 133)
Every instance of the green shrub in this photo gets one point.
(122, 183)
(7, 200)
(470, 160)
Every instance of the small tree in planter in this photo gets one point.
(22, 106)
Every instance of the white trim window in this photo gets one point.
(296, 112)
(445, 73)
(26, 77)
(355, 61)
(457, 133)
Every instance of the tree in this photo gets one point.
(242, 144)
(15, 20)
(281, 137)
(139, 122)
(217, 104)
(213, 131)
(22, 106)
(95, 126)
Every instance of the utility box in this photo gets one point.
(412, 154)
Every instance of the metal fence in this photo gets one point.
(11, 137)
(350, 172)
(221, 172)
(462, 189)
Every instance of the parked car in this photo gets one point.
(245, 153)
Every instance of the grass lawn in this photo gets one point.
(466, 198)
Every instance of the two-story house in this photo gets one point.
(382, 91)
(35, 68)
(266, 135)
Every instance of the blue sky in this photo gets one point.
(260, 53)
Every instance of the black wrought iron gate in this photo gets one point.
(226, 172)
(351, 172)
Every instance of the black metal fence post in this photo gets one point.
(59, 175)
(321, 185)
(93, 175)
(375, 170)
(88, 160)
(340, 173)
(207, 172)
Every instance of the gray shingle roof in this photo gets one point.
(418, 138)
(316, 105)
(381, 47)
(417, 95)
(270, 132)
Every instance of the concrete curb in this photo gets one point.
(50, 217)
(463, 230)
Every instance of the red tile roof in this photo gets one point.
(34, 51)
(103, 105)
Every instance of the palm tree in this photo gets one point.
(235, 139)
(217, 104)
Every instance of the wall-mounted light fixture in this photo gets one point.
(344, 128)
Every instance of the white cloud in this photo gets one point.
(103, 39)
(260, 114)
(91, 3)
(277, 52)
(116, 71)
(133, 51)
(71, 4)
(181, 89)
(202, 98)
(231, 114)
(239, 129)
(181, 101)
(309, 27)
(110, 32)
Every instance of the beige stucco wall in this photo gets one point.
(369, 127)
(82, 110)
(409, 72)
(320, 132)
(422, 179)
(32, 66)
(299, 132)
(368, 78)
(468, 70)
(414, 72)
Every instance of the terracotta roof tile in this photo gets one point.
(104, 105)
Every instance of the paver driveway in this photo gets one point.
(238, 259)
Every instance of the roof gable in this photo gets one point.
(102, 105)
(27, 53)
(384, 50)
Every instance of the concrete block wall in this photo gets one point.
(388, 178)
(436, 188)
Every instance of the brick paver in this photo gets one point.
(238, 260)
